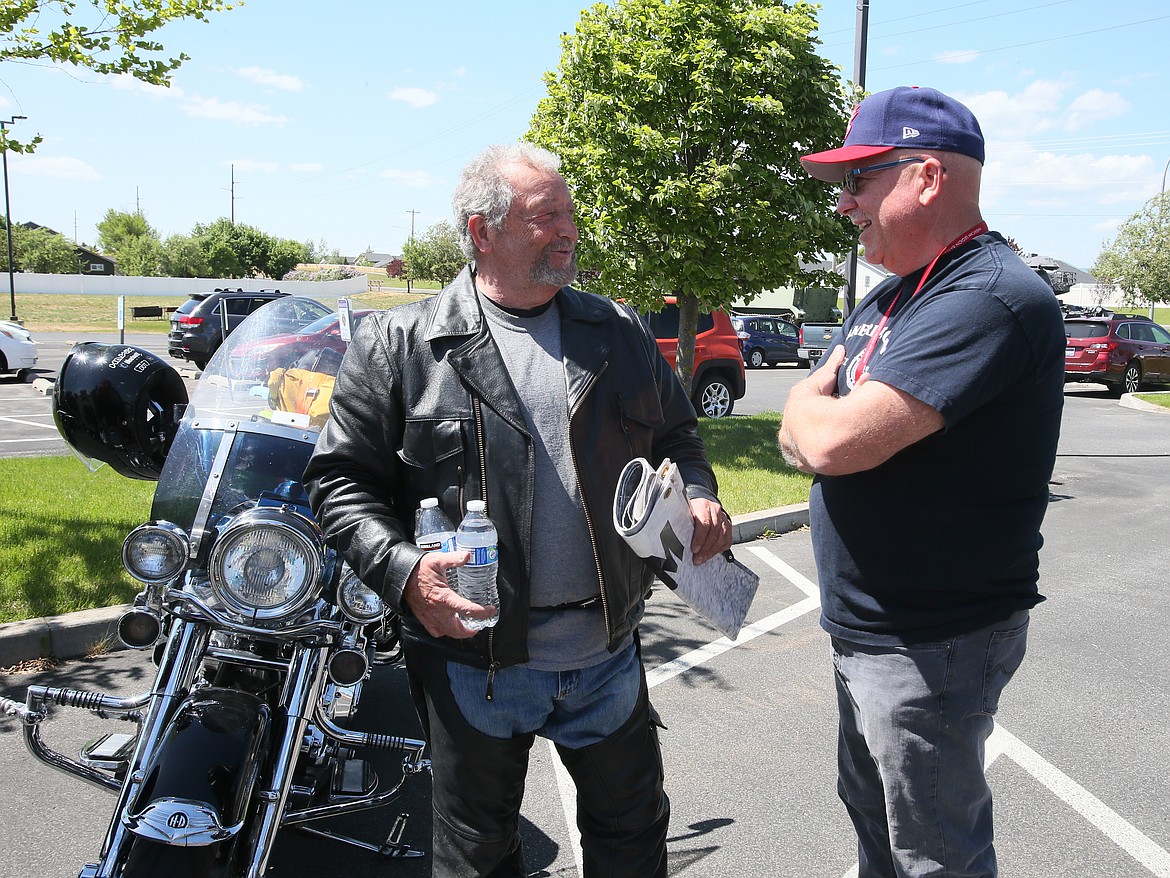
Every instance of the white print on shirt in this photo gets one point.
(868, 329)
(853, 366)
(851, 369)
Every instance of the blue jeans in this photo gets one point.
(913, 724)
(479, 751)
(571, 708)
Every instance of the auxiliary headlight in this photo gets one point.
(266, 563)
(359, 603)
(155, 551)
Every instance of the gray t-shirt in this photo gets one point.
(563, 567)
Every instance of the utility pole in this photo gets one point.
(4, 123)
(412, 213)
(859, 51)
(233, 191)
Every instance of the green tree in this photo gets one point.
(183, 256)
(434, 256)
(680, 124)
(256, 254)
(140, 257)
(118, 228)
(221, 259)
(106, 36)
(39, 250)
(1138, 259)
(284, 255)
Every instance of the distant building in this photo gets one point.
(88, 261)
(791, 302)
(377, 260)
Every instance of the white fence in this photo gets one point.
(116, 285)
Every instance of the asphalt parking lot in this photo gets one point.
(1077, 763)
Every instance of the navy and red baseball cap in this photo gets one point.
(905, 117)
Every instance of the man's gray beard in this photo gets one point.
(544, 273)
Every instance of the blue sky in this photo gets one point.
(347, 122)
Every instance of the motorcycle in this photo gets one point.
(262, 636)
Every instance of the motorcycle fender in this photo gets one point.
(196, 789)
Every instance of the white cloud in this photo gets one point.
(413, 179)
(129, 83)
(1033, 111)
(62, 168)
(1093, 106)
(231, 111)
(306, 167)
(1057, 183)
(416, 97)
(957, 56)
(264, 76)
(252, 166)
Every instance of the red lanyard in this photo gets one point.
(973, 232)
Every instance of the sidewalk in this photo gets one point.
(77, 634)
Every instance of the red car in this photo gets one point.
(719, 373)
(1122, 351)
(284, 351)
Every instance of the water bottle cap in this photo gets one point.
(428, 502)
(475, 506)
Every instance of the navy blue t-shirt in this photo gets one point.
(943, 537)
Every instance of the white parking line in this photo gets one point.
(1115, 827)
(1125, 835)
(28, 423)
(684, 663)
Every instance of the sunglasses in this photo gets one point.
(850, 181)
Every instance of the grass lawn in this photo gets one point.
(61, 532)
(1162, 399)
(62, 527)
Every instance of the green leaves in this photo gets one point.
(680, 125)
(105, 36)
(435, 255)
(1138, 259)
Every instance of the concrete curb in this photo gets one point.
(1130, 401)
(69, 636)
(76, 634)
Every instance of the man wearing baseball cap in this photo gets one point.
(931, 425)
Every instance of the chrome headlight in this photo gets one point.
(266, 563)
(358, 602)
(155, 552)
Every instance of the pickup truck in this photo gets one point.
(814, 340)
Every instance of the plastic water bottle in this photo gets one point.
(433, 531)
(477, 579)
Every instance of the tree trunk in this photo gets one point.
(688, 322)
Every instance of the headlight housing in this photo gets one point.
(155, 552)
(266, 563)
(358, 602)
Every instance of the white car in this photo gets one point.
(17, 349)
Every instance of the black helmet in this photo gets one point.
(120, 405)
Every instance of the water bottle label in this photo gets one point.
(481, 555)
(431, 543)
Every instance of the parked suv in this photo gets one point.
(764, 338)
(1123, 351)
(719, 375)
(197, 325)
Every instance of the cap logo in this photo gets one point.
(908, 132)
(852, 119)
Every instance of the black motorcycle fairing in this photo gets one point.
(118, 404)
(197, 787)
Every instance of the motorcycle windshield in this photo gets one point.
(253, 418)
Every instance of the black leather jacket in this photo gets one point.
(424, 407)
